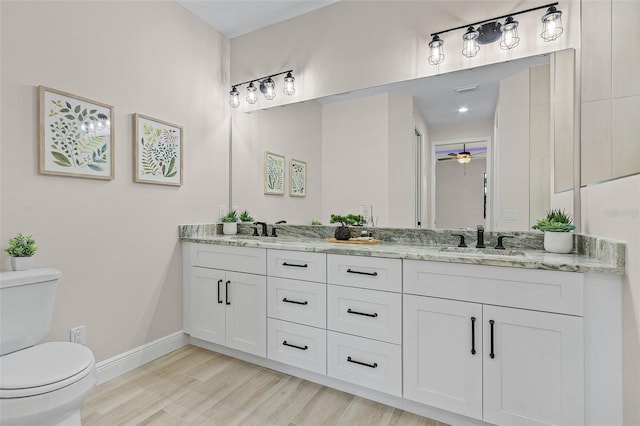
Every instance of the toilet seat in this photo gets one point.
(43, 368)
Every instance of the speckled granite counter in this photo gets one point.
(592, 254)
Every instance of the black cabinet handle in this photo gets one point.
(304, 265)
(473, 335)
(371, 274)
(219, 282)
(374, 365)
(228, 302)
(284, 299)
(492, 355)
(373, 315)
(302, 348)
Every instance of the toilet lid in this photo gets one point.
(29, 370)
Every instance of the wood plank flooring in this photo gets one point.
(194, 386)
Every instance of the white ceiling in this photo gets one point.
(236, 17)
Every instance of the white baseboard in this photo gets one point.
(130, 360)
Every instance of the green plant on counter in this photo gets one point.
(245, 217)
(229, 217)
(556, 220)
(316, 223)
(349, 219)
(21, 246)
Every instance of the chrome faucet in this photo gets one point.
(480, 242)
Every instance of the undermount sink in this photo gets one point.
(482, 251)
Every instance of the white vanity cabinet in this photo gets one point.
(225, 306)
(297, 309)
(502, 365)
(364, 321)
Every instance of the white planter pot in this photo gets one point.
(21, 263)
(558, 242)
(230, 228)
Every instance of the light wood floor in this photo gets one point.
(194, 386)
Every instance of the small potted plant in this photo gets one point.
(316, 222)
(557, 227)
(230, 223)
(343, 232)
(21, 249)
(246, 217)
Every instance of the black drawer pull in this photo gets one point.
(284, 299)
(219, 282)
(492, 355)
(226, 296)
(473, 335)
(304, 265)
(374, 365)
(373, 315)
(302, 348)
(371, 274)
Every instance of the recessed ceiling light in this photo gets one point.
(463, 109)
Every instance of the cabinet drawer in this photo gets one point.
(298, 265)
(375, 273)
(297, 345)
(241, 259)
(297, 301)
(365, 362)
(551, 291)
(368, 313)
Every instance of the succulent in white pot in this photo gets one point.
(230, 223)
(558, 231)
(21, 249)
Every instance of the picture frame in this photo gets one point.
(297, 178)
(273, 174)
(158, 151)
(75, 135)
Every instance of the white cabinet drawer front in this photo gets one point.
(298, 265)
(297, 301)
(297, 345)
(374, 273)
(551, 291)
(240, 259)
(368, 313)
(365, 362)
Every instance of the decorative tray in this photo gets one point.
(353, 241)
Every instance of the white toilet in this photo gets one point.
(40, 384)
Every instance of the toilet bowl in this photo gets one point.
(40, 384)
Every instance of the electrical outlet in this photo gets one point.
(77, 335)
(222, 210)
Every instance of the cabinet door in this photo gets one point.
(533, 368)
(443, 354)
(207, 308)
(246, 319)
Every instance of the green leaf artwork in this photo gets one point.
(298, 174)
(274, 174)
(159, 151)
(79, 137)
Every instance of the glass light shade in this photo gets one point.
(234, 98)
(252, 94)
(464, 159)
(510, 37)
(289, 87)
(436, 51)
(551, 24)
(268, 87)
(470, 46)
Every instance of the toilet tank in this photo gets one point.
(26, 307)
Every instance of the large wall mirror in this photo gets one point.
(489, 145)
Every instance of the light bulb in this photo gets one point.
(252, 94)
(289, 88)
(234, 98)
(510, 37)
(470, 46)
(268, 87)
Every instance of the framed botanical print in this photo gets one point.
(157, 152)
(273, 174)
(298, 178)
(76, 135)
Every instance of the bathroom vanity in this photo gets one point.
(465, 337)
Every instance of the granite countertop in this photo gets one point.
(592, 254)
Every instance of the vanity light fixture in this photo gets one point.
(491, 30)
(463, 109)
(267, 87)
